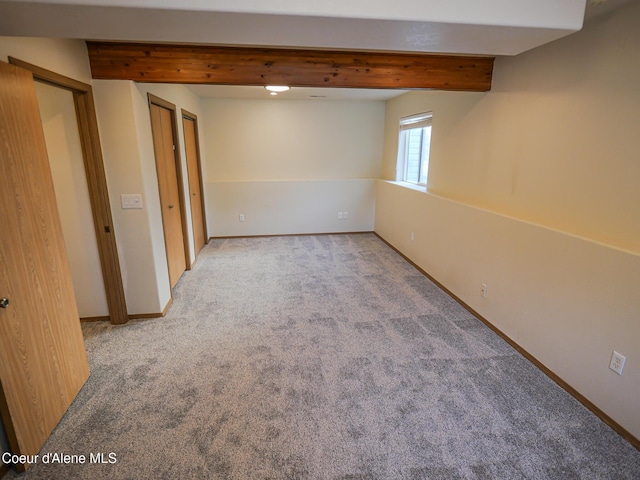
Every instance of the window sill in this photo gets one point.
(412, 186)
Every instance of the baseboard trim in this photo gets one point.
(224, 237)
(143, 316)
(134, 316)
(619, 429)
(94, 319)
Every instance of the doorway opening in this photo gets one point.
(97, 194)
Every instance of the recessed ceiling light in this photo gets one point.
(277, 88)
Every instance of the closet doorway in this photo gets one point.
(69, 120)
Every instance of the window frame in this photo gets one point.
(419, 121)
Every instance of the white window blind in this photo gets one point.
(413, 148)
(415, 121)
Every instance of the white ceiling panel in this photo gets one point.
(490, 27)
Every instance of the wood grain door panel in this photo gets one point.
(43, 363)
(195, 191)
(163, 141)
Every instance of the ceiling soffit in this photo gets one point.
(474, 27)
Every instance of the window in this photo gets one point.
(413, 148)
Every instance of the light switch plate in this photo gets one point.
(131, 200)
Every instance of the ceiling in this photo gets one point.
(473, 27)
(485, 27)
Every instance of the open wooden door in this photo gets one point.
(43, 363)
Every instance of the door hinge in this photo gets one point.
(174, 148)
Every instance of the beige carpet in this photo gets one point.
(322, 357)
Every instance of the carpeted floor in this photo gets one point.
(321, 357)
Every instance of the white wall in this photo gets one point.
(125, 129)
(66, 57)
(290, 207)
(60, 125)
(534, 192)
(291, 165)
(555, 141)
(182, 98)
(121, 114)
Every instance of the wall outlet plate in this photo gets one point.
(617, 362)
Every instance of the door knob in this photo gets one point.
(4, 302)
(170, 206)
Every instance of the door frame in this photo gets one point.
(97, 183)
(159, 102)
(191, 116)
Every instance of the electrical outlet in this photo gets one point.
(413, 237)
(242, 217)
(617, 362)
(345, 215)
(483, 290)
(340, 216)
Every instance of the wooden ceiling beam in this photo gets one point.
(197, 64)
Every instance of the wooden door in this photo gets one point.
(43, 363)
(170, 195)
(195, 181)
